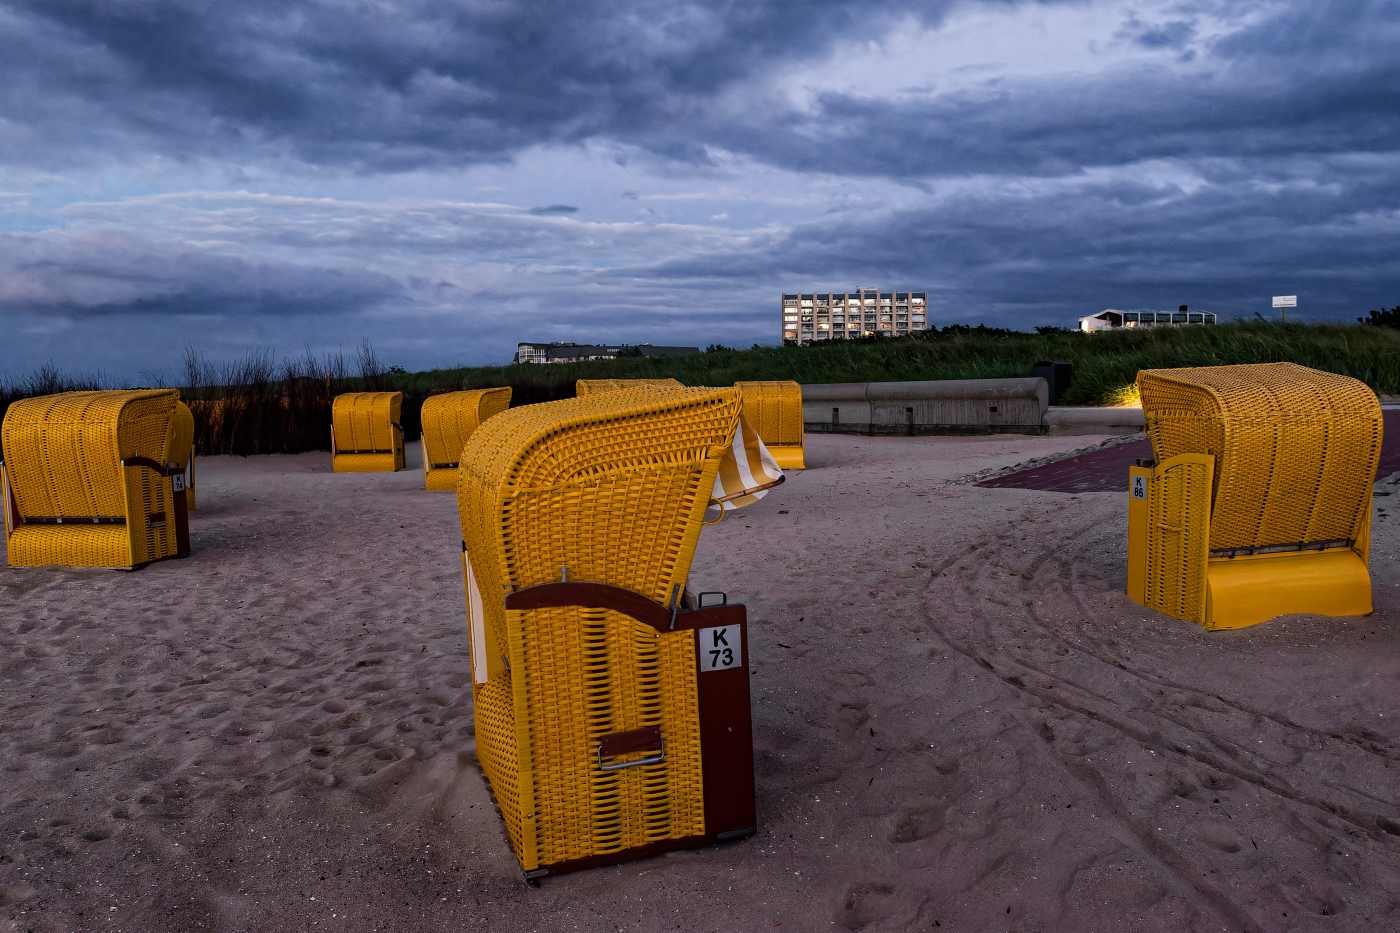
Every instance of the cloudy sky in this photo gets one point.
(448, 177)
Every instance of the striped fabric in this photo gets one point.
(747, 472)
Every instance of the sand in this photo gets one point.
(962, 723)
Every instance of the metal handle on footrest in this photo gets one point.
(637, 740)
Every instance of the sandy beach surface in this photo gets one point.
(961, 721)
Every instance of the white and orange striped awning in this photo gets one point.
(747, 472)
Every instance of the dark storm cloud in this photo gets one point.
(388, 85)
(100, 270)
(436, 82)
(1315, 78)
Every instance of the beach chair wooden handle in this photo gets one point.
(161, 468)
(644, 609)
(593, 596)
(634, 740)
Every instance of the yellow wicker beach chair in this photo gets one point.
(448, 420)
(366, 436)
(90, 480)
(1259, 501)
(612, 720)
(584, 387)
(775, 411)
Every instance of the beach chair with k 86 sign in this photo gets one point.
(94, 479)
(612, 714)
(448, 420)
(1258, 502)
(366, 436)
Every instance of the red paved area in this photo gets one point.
(1107, 470)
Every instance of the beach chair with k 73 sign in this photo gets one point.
(612, 714)
(1258, 503)
(95, 479)
(366, 436)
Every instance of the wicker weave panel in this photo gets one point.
(1296, 449)
(614, 487)
(1178, 525)
(774, 409)
(584, 387)
(98, 546)
(496, 748)
(590, 672)
(367, 421)
(64, 457)
(448, 420)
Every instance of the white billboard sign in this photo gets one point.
(1285, 301)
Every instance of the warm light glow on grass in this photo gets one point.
(1125, 397)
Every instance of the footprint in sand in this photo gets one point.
(383, 758)
(914, 823)
(1309, 897)
(1219, 838)
(12, 894)
(865, 903)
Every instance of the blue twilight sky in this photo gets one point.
(447, 177)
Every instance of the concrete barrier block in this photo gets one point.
(952, 406)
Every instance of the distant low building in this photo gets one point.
(561, 352)
(1111, 319)
(861, 313)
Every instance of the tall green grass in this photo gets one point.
(1105, 363)
(261, 404)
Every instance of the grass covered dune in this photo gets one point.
(262, 404)
(1105, 364)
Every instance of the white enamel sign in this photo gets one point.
(1139, 487)
(720, 648)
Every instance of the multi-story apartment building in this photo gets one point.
(842, 315)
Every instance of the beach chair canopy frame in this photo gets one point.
(448, 420)
(1259, 500)
(775, 410)
(366, 434)
(583, 387)
(96, 479)
(603, 495)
